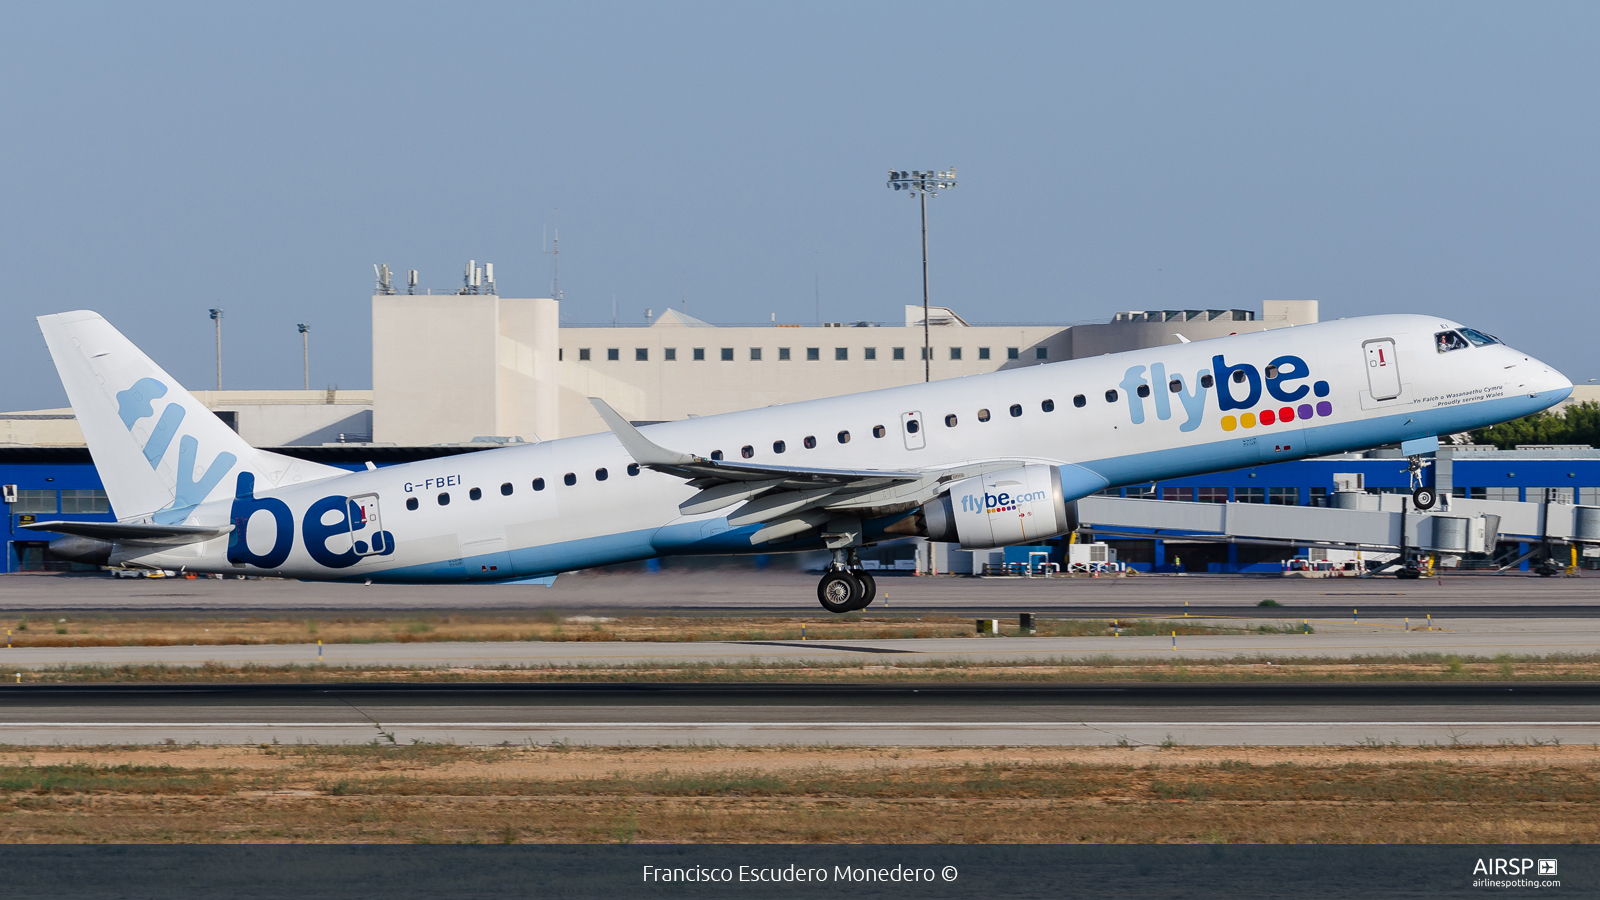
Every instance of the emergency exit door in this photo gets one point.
(367, 537)
(1383, 371)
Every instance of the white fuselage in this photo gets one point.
(1146, 430)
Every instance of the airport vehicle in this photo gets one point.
(987, 460)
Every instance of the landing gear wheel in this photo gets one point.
(839, 591)
(1423, 498)
(869, 588)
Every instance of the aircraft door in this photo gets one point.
(911, 427)
(1383, 370)
(367, 536)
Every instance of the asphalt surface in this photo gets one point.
(1332, 638)
(737, 591)
(841, 715)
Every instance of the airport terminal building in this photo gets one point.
(455, 373)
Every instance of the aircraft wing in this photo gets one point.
(791, 498)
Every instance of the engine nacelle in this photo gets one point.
(1012, 506)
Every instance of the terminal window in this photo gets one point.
(1013, 353)
(755, 354)
(1177, 493)
(1211, 494)
(1249, 495)
(727, 354)
(869, 352)
(983, 352)
(1141, 492)
(699, 354)
(783, 354)
(841, 353)
(613, 354)
(670, 354)
(955, 352)
(641, 354)
(78, 500)
(813, 354)
(34, 501)
(1502, 493)
(1283, 496)
(899, 353)
(1468, 493)
(1041, 353)
(583, 354)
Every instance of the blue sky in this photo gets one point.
(159, 159)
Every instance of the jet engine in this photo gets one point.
(1012, 506)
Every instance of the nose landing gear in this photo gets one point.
(846, 587)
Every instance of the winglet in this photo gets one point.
(644, 451)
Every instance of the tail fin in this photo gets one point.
(160, 452)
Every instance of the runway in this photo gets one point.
(1333, 639)
(738, 591)
(843, 715)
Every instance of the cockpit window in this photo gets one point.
(1479, 338)
(1449, 340)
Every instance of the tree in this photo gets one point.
(1577, 424)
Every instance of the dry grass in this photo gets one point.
(146, 630)
(432, 793)
(1414, 667)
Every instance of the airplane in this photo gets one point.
(984, 461)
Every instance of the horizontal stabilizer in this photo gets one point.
(132, 531)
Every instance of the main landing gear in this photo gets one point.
(846, 587)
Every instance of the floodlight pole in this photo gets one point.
(924, 183)
(305, 351)
(216, 316)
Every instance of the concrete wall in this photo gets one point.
(447, 368)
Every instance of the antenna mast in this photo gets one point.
(555, 263)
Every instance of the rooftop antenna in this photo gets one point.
(488, 278)
(816, 283)
(555, 260)
(613, 310)
(411, 282)
(384, 281)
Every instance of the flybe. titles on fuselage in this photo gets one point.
(1240, 387)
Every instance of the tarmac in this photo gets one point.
(1137, 717)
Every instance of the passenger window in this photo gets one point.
(983, 415)
(633, 468)
(716, 454)
(1238, 376)
(1111, 396)
(411, 503)
(505, 489)
(1048, 406)
(950, 421)
(569, 479)
(444, 499)
(1272, 371)
(1080, 401)
(1175, 385)
(844, 436)
(747, 451)
(538, 484)
(878, 431)
(475, 494)
(1206, 381)
(1016, 410)
(1142, 390)
(779, 446)
(601, 474)
(913, 426)
(810, 442)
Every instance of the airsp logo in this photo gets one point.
(1501, 866)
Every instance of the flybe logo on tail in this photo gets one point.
(1282, 387)
(133, 405)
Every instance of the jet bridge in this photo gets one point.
(1381, 523)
